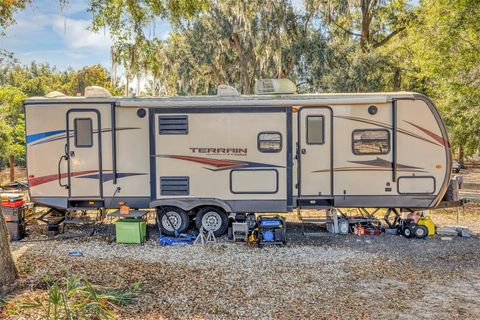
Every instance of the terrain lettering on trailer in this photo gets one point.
(220, 151)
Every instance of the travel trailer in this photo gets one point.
(200, 159)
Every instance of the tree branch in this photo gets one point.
(330, 19)
(388, 38)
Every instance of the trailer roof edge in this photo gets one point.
(225, 101)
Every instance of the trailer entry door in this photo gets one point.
(315, 152)
(83, 150)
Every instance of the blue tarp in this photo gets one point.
(171, 241)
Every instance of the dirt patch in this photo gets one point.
(470, 176)
(20, 174)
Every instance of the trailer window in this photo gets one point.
(315, 129)
(371, 141)
(83, 132)
(173, 124)
(269, 142)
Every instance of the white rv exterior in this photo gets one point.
(237, 154)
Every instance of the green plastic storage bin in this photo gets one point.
(130, 231)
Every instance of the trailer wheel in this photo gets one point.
(168, 216)
(212, 219)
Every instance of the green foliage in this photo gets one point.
(95, 75)
(17, 82)
(76, 299)
(127, 20)
(442, 54)
(237, 42)
(12, 124)
(7, 10)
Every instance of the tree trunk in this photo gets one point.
(245, 79)
(8, 271)
(461, 156)
(137, 92)
(365, 24)
(12, 168)
(243, 61)
(397, 79)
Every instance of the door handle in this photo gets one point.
(304, 151)
(64, 157)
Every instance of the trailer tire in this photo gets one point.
(177, 216)
(212, 219)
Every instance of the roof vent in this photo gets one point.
(227, 91)
(54, 94)
(97, 92)
(275, 86)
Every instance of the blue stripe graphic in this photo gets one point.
(37, 136)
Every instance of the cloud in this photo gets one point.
(26, 31)
(64, 58)
(44, 32)
(76, 34)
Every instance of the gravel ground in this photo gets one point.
(323, 277)
(470, 175)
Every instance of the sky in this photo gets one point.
(45, 33)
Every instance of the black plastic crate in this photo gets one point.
(16, 230)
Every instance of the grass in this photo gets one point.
(75, 298)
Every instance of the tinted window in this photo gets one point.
(269, 142)
(83, 133)
(315, 130)
(371, 141)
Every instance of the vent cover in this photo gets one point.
(97, 92)
(275, 86)
(174, 186)
(173, 124)
(265, 86)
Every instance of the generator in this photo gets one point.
(271, 230)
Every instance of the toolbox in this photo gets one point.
(14, 214)
(13, 211)
(11, 197)
(130, 231)
(12, 204)
(12, 200)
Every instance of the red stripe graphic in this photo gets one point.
(435, 136)
(41, 180)
(213, 162)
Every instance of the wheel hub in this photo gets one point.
(171, 218)
(211, 221)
